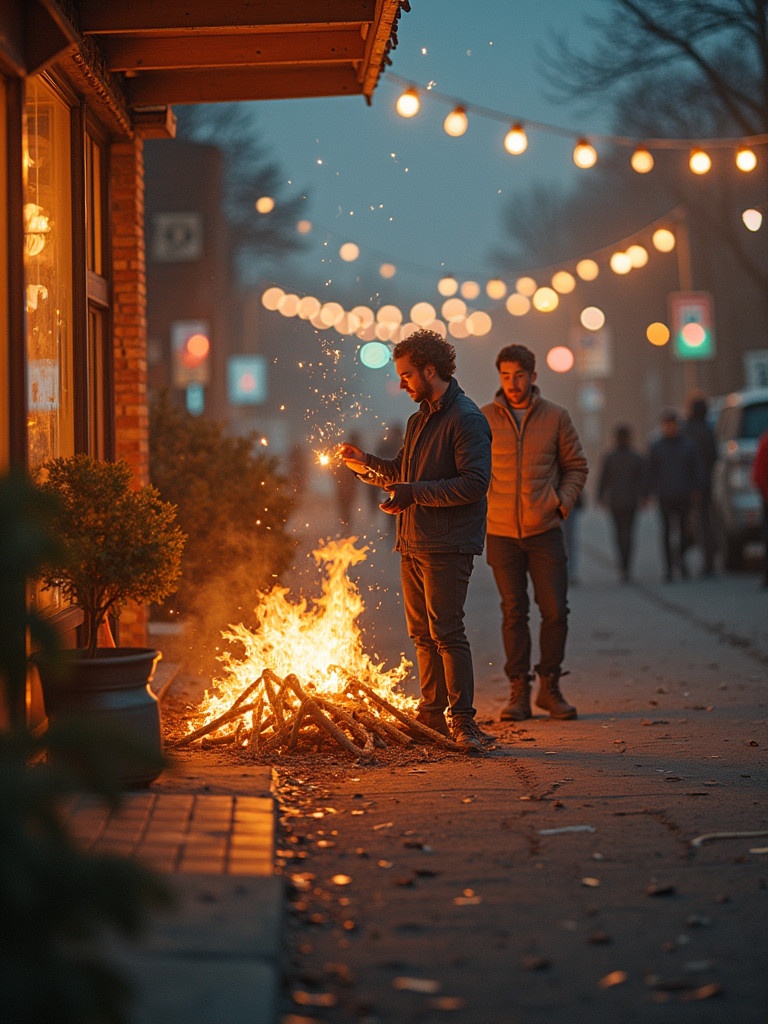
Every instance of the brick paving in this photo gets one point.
(186, 833)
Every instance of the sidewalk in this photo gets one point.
(211, 829)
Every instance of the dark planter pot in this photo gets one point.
(112, 691)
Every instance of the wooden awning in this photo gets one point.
(211, 51)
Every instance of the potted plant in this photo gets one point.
(120, 544)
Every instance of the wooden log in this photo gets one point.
(402, 716)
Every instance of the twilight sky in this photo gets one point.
(404, 191)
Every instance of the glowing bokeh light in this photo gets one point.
(746, 159)
(620, 263)
(349, 252)
(408, 103)
(470, 290)
(479, 323)
(447, 286)
(423, 313)
(330, 313)
(308, 307)
(663, 240)
(526, 286)
(517, 304)
(516, 141)
(387, 270)
(364, 314)
(304, 227)
(592, 318)
(495, 288)
(587, 269)
(458, 328)
(389, 315)
(264, 204)
(563, 282)
(638, 255)
(456, 123)
(699, 161)
(289, 305)
(753, 219)
(560, 359)
(271, 298)
(545, 299)
(374, 355)
(454, 309)
(584, 154)
(657, 333)
(641, 160)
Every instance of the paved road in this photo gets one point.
(555, 879)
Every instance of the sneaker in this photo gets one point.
(467, 735)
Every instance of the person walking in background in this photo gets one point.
(674, 478)
(572, 539)
(703, 436)
(760, 480)
(437, 485)
(621, 490)
(538, 472)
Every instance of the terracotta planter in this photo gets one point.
(112, 690)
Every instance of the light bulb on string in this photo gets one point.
(516, 141)
(746, 160)
(408, 103)
(584, 154)
(699, 161)
(753, 219)
(456, 123)
(448, 285)
(663, 240)
(641, 160)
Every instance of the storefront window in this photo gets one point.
(48, 271)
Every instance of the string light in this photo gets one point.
(584, 154)
(641, 160)
(753, 219)
(456, 123)
(516, 141)
(408, 103)
(699, 161)
(746, 160)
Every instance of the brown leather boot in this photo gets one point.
(549, 698)
(519, 706)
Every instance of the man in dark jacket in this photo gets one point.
(437, 486)
(703, 436)
(539, 470)
(675, 478)
(621, 489)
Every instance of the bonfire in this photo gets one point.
(303, 671)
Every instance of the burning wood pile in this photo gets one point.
(303, 674)
(358, 718)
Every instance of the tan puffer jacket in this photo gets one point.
(538, 469)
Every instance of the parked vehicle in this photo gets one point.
(741, 419)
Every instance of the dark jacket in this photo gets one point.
(539, 469)
(622, 482)
(674, 469)
(446, 455)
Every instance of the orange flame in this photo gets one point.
(320, 642)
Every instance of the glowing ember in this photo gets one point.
(320, 643)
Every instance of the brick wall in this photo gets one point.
(129, 303)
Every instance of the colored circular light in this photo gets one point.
(657, 333)
(374, 355)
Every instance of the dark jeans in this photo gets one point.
(543, 558)
(434, 591)
(675, 532)
(623, 532)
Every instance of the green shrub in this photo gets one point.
(233, 504)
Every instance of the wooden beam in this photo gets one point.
(101, 17)
(240, 84)
(248, 49)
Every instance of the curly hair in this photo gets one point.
(517, 354)
(428, 348)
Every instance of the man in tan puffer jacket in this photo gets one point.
(538, 472)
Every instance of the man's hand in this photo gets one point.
(400, 497)
(354, 458)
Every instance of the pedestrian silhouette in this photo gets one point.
(674, 478)
(621, 488)
(703, 436)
